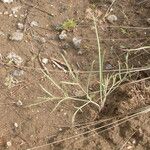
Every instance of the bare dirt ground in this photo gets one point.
(26, 122)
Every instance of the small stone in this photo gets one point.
(40, 39)
(60, 129)
(108, 66)
(16, 36)
(76, 42)
(34, 24)
(80, 52)
(20, 26)
(2, 33)
(6, 13)
(9, 144)
(7, 1)
(1, 57)
(112, 18)
(45, 61)
(16, 125)
(63, 35)
(65, 113)
(19, 103)
(17, 72)
(129, 147)
(15, 9)
(13, 57)
(15, 16)
(10, 15)
(148, 20)
(134, 141)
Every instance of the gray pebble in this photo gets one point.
(112, 18)
(17, 73)
(13, 57)
(76, 42)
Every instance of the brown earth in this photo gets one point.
(28, 126)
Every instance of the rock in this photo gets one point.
(16, 125)
(2, 33)
(60, 129)
(9, 144)
(7, 1)
(14, 58)
(108, 66)
(15, 9)
(19, 103)
(16, 36)
(6, 13)
(148, 21)
(17, 73)
(76, 42)
(40, 39)
(129, 147)
(20, 26)
(63, 35)
(34, 24)
(45, 61)
(112, 18)
(1, 57)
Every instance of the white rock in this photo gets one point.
(19, 103)
(7, 1)
(20, 26)
(16, 36)
(16, 125)
(17, 73)
(129, 147)
(15, 9)
(63, 35)
(60, 129)
(15, 15)
(9, 144)
(112, 18)
(76, 42)
(34, 24)
(45, 61)
(10, 15)
(14, 58)
(6, 12)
